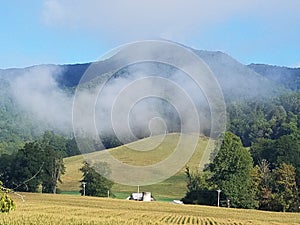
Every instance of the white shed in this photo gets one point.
(141, 196)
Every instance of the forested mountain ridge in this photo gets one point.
(288, 77)
(19, 121)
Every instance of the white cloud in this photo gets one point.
(133, 19)
(37, 92)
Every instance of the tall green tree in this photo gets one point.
(286, 188)
(52, 170)
(196, 180)
(26, 168)
(231, 170)
(6, 168)
(93, 183)
(288, 151)
(38, 163)
(54, 149)
(263, 179)
(285, 149)
(199, 190)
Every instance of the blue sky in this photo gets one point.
(73, 31)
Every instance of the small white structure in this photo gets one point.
(147, 197)
(178, 202)
(142, 196)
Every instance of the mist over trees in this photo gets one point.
(39, 98)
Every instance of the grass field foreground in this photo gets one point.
(47, 209)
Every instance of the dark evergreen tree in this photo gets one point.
(26, 168)
(199, 190)
(95, 183)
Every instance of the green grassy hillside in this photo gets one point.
(47, 209)
(174, 187)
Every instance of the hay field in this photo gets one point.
(47, 209)
(174, 187)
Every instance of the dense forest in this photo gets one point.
(258, 165)
(38, 165)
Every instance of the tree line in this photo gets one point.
(38, 166)
(258, 164)
(242, 183)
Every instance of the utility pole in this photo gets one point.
(219, 191)
(83, 185)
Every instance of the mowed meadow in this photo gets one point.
(48, 209)
(172, 188)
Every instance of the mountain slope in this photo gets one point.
(287, 77)
(237, 80)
